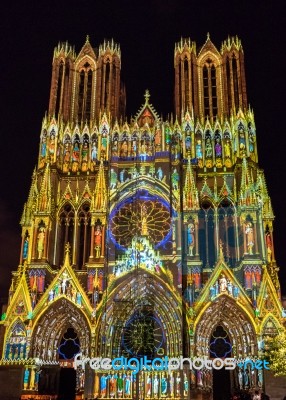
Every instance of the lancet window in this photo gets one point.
(226, 229)
(84, 232)
(207, 234)
(232, 82)
(186, 81)
(59, 88)
(66, 225)
(85, 93)
(210, 89)
(62, 87)
(74, 228)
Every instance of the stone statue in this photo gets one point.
(97, 240)
(163, 385)
(191, 238)
(156, 386)
(249, 237)
(144, 227)
(41, 241)
(222, 284)
(199, 153)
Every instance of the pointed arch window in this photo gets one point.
(59, 88)
(107, 84)
(210, 88)
(186, 81)
(206, 91)
(207, 235)
(220, 344)
(228, 79)
(226, 227)
(66, 232)
(84, 235)
(85, 93)
(232, 82)
(69, 346)
(235, 82)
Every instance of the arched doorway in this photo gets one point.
(225, 330)
(69, 347)
(60, 333)
(141, 301)
(220, 347)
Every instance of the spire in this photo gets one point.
(31, 202)
(95, 280)
(147, 112)
(65, 49)
(246, 185)
(100, 191)
(67, 255)
(109, 46)
(185, 44)
(221, 256)
(147, 97)
(86, 50)
(45, 199)
(225, 189)
(191, 198)
(34, 288)
(208, 46)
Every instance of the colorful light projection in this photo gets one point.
(148, 213)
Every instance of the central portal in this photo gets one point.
(67, 384)
(220, 347)
(221, 384)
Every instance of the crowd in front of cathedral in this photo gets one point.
(247, 395)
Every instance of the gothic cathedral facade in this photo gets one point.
(143, 238)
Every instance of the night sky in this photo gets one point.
(147, 32)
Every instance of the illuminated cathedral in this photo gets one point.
(143, 236)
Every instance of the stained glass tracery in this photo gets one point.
(146, 216)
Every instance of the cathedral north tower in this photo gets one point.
(87, 84)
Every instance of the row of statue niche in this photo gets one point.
(242, 150)
(120, 385)
(16, 346)
(64, 286)
(48, 146)
(140, 255)
(134, 148)
(249, 378)
(74, 154)
(209, 149)
(214, 152)
(114, 385)
(134, 172)
(82, 156)
(16, 351)
(223, 285)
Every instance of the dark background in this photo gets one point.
(147, 32)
